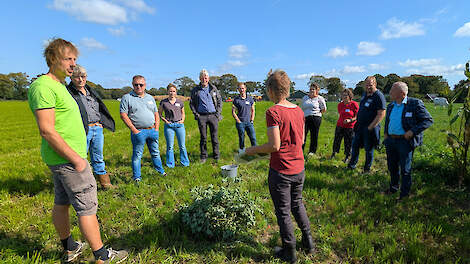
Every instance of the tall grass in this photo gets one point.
(351, 221)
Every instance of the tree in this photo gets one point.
(227, 83)
(292, 87)
(184, 85)
(359, 89)
(391, 79)
(6, 87)
(464, 86)
(334, 86)
(321, 81)
(413, 87)
(381, 81)
(253, 86)
(20, 85)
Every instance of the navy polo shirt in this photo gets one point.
(244, 107)
(368, 108)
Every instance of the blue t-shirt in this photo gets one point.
(395, 126)
(141, 110)
(206, 105)
(368, 108)
(244, 107)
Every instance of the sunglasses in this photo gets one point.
(138, 84)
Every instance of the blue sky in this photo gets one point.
(165, 40)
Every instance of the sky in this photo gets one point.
(166, 40)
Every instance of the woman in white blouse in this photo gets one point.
(314, 106)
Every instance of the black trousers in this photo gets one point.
(347, 134)
(286, 193)
(212, 121)
(312, 124)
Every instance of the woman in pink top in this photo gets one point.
(347, 110)
(285, 123)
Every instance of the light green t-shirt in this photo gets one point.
(48, 93)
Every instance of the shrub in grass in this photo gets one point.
(219, 214)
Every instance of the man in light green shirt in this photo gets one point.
(63, 149)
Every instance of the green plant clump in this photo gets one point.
(219, 214)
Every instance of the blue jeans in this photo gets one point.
(149, 136)
(170, 130)
(250, 130)
(399, 159)
(94, 145)
(362, 137)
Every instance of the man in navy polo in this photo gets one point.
(243, 111)
(405, 121)
(140, 114)
(367, 128)
(206, 105)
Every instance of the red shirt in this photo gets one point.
(290, 120)
(347, 111)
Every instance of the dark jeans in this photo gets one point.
(286, 193)
(250, 130)
(312, 124)
(347, 134)
(399, 158)
(362, 137)
(213, 122)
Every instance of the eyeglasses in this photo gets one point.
(138, 84)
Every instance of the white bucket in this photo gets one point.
(229, 171)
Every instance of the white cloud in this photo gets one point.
(304, 76)
(120, 31)
(91, 43)
(138, 5)
(237, 51)
(369, 48)
(419, 63)
(108, 12)
(463, 31)
(400, 29)
(375, 66)
(337, 52)
(438, 70)
(354, 69)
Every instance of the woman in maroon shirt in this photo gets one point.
(347, 110)
(285, 123)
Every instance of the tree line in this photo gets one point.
(14, 86)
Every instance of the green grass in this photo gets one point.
(351, 221)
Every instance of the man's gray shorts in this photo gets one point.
(75, 188)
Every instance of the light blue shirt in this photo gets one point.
(206, 105)
(141, 110)
(395, 127)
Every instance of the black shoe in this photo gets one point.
(346, 159)
(366, 171)
(307, 243)
(332, 156)
(285, 254)
(403, 197)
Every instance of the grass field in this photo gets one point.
(351, 221)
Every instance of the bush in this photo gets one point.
(219, 214)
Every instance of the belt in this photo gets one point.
(95, 124)
(140, 128)
(397, 136)
(207, 113)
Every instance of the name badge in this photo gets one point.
(149, 102)
(366, 104)
(177, 104)
(408, 114)
(213, 93)
(369, 100)
(347, 110)
(247, 102)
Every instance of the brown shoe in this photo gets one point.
(105, 182)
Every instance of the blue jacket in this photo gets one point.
(415, 117)
(216, 99)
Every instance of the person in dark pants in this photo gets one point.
(95, 117)
(347, 110)
(314, 106)
(367, 128)
(206, 105)
(405, 121)
(285, 132)
(243, 111)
